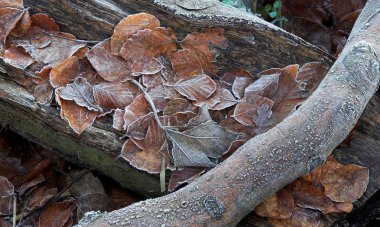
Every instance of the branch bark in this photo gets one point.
(269, 161)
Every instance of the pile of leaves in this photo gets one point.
(175, 108)
(41, 189)
(330, 188)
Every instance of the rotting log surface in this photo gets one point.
(267, 162)
(254, 44)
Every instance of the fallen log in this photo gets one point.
(254, 45)
(266, 163)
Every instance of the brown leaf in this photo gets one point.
(196, 88)
(138, 108)
(179, 120)
(118, 119)
(232, 125)
(57, 214)
(229, 77)
(239, 86)
(29, 184)
(150, 157)
(9, 18)
(112, 95)
(266, 85)
(112, 68)
(183, 176)
(161, 95)
(39, 197)
(278, 205)
(138, 129)
(79, 118)
(316, 176)
(310, 76)
(17, 57)
(65, 72)
(44, 22)
(43, 92)
(6, 195)
(221, 99)
(146, 66)
(248, 107)
(129, 26)
(299, 218)
(81, 92)
(201, 42)
(188, 63)
(22, 25)
(51, 48)
(11, 3)
(147, 44)
(152, 81)
(177, 105)
(307, 196)
(346, 184)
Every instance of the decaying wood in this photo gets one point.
(254, 44)
(227, 193)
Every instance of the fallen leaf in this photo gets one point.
(219, 100)
(43, 90)
(188, 63)
(129, 26)
(228, 77)
(310, 76)
(150, 157)
(152, 81)
(138, 108)
(278, 205)
(239, 86)
(9, 17)
(266, 85)
(202, 42)
(57, 214)
(44, 22)
(183, 176)
(112, 95)
(146, 66)
(118, 119)
(65, 72)
(147, 44)
(138, 129)
(17, 57)
(39, 197)
(177, 105)
(308, 196)
(248, 107)
(81, 92)
(191, 147)
(11, 3)
(346, 184)
(22, 25)
(112, 68)
(6, 195)
(299, 218)
(196, 88)
(78, 117)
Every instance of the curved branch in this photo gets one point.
(271, 160)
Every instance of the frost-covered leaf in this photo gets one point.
(146, 66)
(239, 86)
(278, 205)
(129, 26)
(221, 99)
(191, 147)
(10, 14)
(266, 85)
(183, 176)
(196, 88)
(112, 68)
(247, 109)
(138, 108)
(81, 92)
(17, 57)
(310, 76)
(118, 119)
(138, 129)
(65, 72)
(112, 95)
(6, 195)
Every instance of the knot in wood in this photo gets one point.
(214, 206)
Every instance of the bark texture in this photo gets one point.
(269, 161)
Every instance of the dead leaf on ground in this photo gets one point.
(39, 197)
(57, 214)
(17, 57)
(248, 107)
(10, 14)
(278, 205)
(266, 85)
(183, 176)
(138, 108)
(196, 88)
(118, 119)
(65, 72)
(299, 218)
(6, 195)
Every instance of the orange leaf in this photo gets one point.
(17, 57)
(278, 205)
(22, 25)
(196, 88)
(44, 22)
(9, 18)
(130, 25)
(250, 107)
(138, 108)
(65, 72)
(57, 214)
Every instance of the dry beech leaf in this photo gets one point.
(161, 95)
(51, 48)
(112, 95)
(183, 176)
(202, 116)
(146, 66)
(130, 25)
(239, 86)
(138, 108)
(346, 184)
(177, 105)
(81, 92)
(187, 63)
(150, 157)
(278, 205)
(22, 25)
(308, 196)
(137, 129)
(78, 117)
(39, 197)
(221, 99)
(6, 195)
(147, 44)
(316, 176)
(310, 76)
(17, 57)
(30, 183)
(112, 68)
(250, 107)
(43, 91)
(196, 88)
(300, 218)
(229, 77)
(266, 85)
(118, 119)
(191, 147)
(44, 22)
(152, 81)
(57, 214)
(201, 42)
(9, 17)
(178, 120)
(12, 3)
(65, 72)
